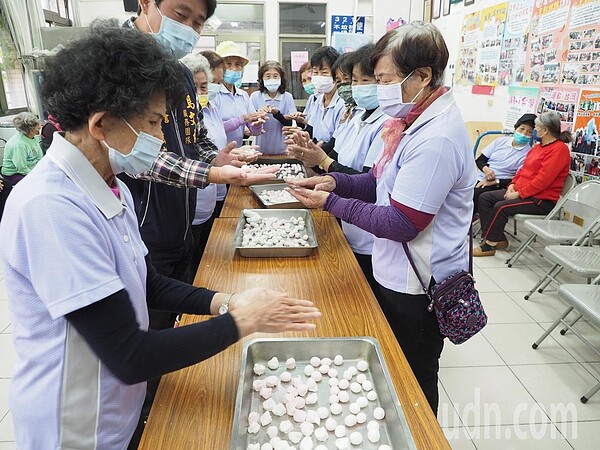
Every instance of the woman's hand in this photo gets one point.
(246, 153)
(485, 183)
(288, 132)
(309, 198)
(301, 146)
(297, 116)
(226, 156)
(268, 311)
(324, 183)
(511, 195)
(254, 116)
(489, 174)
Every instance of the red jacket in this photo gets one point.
(544, 171)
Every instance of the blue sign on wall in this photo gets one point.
(343, 24)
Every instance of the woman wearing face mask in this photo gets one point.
(356, 148)
(501, 160)
(23, 150)
(328, 107)
(273, 99)
(533, 190)
(232, 101)
(419, 191)
(79, 302)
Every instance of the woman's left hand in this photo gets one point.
(309, 198)
(246, 153)
(511, 195)
(485, 183)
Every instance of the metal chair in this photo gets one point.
(584, 298)
(570, 183)
(577, 210)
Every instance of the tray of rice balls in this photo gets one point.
(289, 168)
(275, 233)
(317, 393)
(275, 196)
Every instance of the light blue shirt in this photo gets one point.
(271, 142)
(432, 171)
(359, 146)
(504, 159)
(66, 242)
(325, 120)
(206, 198)
(231, 106)
(309, 108)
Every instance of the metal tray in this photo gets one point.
(277, 252)
(273, 161)
(256, 190)
(394, 428)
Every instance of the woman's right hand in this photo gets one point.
(489, 174)
(268, 311)
(320, 183)
(254, 116)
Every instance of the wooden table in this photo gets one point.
(194, 407)
(239, 198)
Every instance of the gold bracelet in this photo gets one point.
(324, 161)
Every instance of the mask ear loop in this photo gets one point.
(130, 127)
(161, 18)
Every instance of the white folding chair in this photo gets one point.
(577, 210)
(570, 183)
(584, 298)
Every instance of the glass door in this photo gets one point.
(289, 45)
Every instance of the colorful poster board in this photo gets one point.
(514, 42)
(559, 98)
(582, 56)
(466, 66)
(521, 100)
(490, 42)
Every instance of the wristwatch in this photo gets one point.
(324, 162)
(224, 308)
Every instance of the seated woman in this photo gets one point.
(22, 151)
(84, 351)
(500, 161)
(534, 189)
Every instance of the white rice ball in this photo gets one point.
(317, 376)
(286, 426)
(372, 396)
(324, 369)
(344, 397)
(340, 431)
(361, 417)
(354, 408)
(272, 431)
(373, 436)
(361, 378)
(335, 409)
(307, 428)
(344, 383)
(312, 398)
(338, 360)
(271, 381)
(350, 420)
(323, 412)
(362, 402)
(265, 419)
(321, 434)
(326, 361)
(278, 409)
(273, 363)
(362, 365)
(379, 413)
(268, 404)
(330, 424)
(308, 370)
(372, 425)
(259, 369)
(333, 373)
(356, 438)
(355, 387)
(257, 385)
(295, 436)
(253, 428)
(367, 386)
(306, 444)
(342, 443)
(290, 363)
(299, 416)
(315, 361)
(285, 377)
(253, 417)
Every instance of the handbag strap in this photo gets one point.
(414, 266)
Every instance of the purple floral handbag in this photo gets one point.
(455, 301)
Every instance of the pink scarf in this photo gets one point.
(393, 130)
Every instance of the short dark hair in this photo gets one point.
(362, 58)
(213, 58)
(272, 65)
(211, 6)
(413, 46)
(109, 69)
(324, 55)
(343, 64)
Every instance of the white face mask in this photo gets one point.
(323, 84)
(391, 99)
(273, 84)
(141, 157)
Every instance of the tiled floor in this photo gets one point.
(496, 392)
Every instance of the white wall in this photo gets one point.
(88, 10)
(473, 107)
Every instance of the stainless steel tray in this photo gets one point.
(277, 252)
(273, 161)
(394, 428)
(256, 190)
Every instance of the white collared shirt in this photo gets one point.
(66, 242)
(325, 119)
(432, 171)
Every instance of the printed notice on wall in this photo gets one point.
(490, 43)
(466, 66)
(514, 43)
(521, 100)
(562, 99)
(583, 52)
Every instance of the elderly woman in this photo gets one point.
(22, 151)
(232, 101)
(80, 321)
(533, 190)
(419, 191)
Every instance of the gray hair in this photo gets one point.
(413, 46)
(551, 121)
(198, 63)
(25, 122)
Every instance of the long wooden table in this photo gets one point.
(194, 407)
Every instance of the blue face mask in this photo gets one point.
(521, 139)
(174, 36)
(535, 137)
(141, 157)
(365, 95)
(273, 84)
(232, 77)
(213, 90)
(309, 88)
